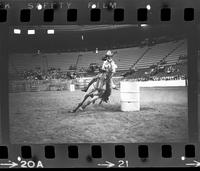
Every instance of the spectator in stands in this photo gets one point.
(107, 65)
(162, 62)
(51, 73)
(169, 69)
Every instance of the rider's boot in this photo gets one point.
(81, 109)
(90, 83)
(115, 88)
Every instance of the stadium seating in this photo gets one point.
(173, 58)
(159, 51)
(125, 58)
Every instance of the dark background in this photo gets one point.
(69, 38)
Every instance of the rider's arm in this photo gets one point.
(114, 66)
(102, 69)
(103, 66)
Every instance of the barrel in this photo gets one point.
(71, 87)
(129, 96)
(81, 83)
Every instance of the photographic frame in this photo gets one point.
(85, 159)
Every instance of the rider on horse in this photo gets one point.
(102, 84)
(108, 65)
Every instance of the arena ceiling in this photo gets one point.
(78, 28)
(87, 38)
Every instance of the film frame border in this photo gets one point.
(174, 12)
(85, 149)
(180, 156)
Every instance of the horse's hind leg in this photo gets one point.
(101, 102)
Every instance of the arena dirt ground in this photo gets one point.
(43, 117)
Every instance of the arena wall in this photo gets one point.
(163, 83)
(62, 85)
(39, 85)
(164, 91)
(165, 95)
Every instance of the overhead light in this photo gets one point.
(97, 51)
(93, 6)
(148, 7)
(30, 32)
(50, 31)
(39, 6)
(143, 25)
(17, 31)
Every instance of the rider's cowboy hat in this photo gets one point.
(109, 53)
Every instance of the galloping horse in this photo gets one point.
(100, 90)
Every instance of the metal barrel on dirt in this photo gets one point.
(81, 83)
(71, 87)
(129, 96)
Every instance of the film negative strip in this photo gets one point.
(99, 83)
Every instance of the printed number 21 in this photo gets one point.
(123, 163)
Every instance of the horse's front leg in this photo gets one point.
(101, 102)
(81, 103)
(85, 98)
(89, 102)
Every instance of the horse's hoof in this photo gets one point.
(81, 109)
(72, 111)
